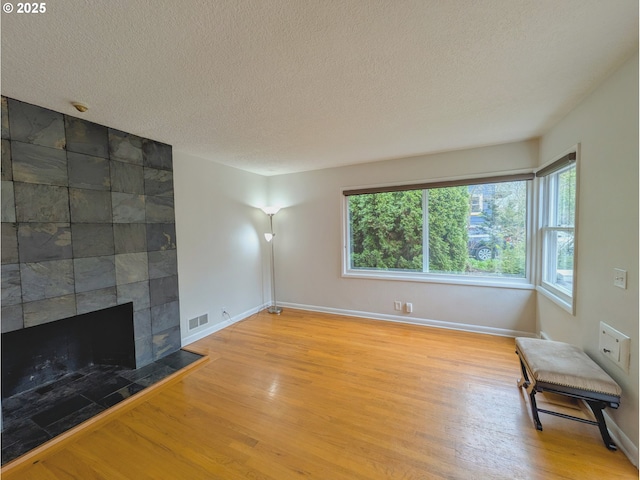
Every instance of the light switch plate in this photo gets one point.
(620, 278)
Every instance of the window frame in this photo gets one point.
(547, 251)
(527, 282)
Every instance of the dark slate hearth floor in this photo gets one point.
(31, 418)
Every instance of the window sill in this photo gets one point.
(558, 300)
(519, 284)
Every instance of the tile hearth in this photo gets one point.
(31, 418)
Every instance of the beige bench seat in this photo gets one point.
(564, 369)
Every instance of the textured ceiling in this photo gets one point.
(279, 86)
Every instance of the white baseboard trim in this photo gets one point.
(412, 320)
(219, 326)
(624, 443)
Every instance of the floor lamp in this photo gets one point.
(271, 211)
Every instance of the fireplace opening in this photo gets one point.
(44, 353)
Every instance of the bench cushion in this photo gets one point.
(564, 364)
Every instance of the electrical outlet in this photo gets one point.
(397, 305)
(408, 307)
(224, 311)
(615, 346)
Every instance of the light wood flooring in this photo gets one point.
(317, 396)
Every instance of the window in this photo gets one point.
(476, 203)
(558, 207)
(465, 229)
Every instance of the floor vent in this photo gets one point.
(202, 319)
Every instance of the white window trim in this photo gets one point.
(556, 295)
(526, 283)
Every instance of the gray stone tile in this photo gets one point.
(94, 273)
(127, 178)
(92, 239)
(142, 323)
(157, 155)
(11, 318)
(46, 279)
(166, 342)
(96, 300)
(41, 203)
(161, 236)
(163, 290)
(158, 182)
(128, 208)
(38, 164)
(7, 170)
(125, 147)
(163, 263)
(159, 210)
(39, 242)
(165, 316)
(89, 172)
(11, 285)
(9, 243)
(90, 206)
(144, 351)
(86, 137)
(138, 293)
(37, 125)
(132, 268)
(130, 237)
(5, 118)
(8, 202)
(49, 310)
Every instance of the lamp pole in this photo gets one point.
(271, 211)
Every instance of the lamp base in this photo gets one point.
(275, 310)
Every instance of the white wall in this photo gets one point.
(219, 233)
(606, 126)
(308, 252)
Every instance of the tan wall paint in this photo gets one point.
(311, 241)
(606, 126)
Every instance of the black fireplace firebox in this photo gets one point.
(41, 354)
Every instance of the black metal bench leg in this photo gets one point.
(524, 382)
(534, 409)
(596, 408)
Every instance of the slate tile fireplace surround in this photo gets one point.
(87, 223)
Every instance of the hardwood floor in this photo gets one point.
(307, 395)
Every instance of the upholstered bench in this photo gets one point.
(565, 369)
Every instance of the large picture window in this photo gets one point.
(467, 229)
(558, 207)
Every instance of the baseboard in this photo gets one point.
(221, 325)
(624, 443)
(412, 320)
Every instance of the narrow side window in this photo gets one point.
(558, 229)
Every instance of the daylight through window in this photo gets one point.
(466, 229)
(558, 228)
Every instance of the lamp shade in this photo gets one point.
(270, 210)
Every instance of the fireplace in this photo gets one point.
(88, 223)
(41, 354)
